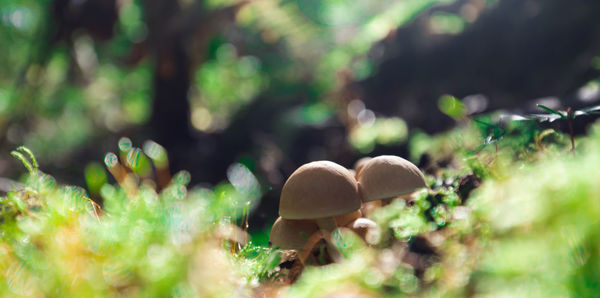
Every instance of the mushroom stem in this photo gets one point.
(346, 219)
(364, 226)
(305, 254)
(328, 225)
(311, 260)
(387, 201)
(368, 207)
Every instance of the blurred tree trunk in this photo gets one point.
(170, 113)
(178, 38)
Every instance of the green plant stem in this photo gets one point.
(571, 133)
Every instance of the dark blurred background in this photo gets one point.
(274, 84)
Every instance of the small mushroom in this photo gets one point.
(359, 164)
(291, 234)
(366, 229)
(319, 190)
(387, 177)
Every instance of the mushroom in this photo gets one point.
(387, 177)
(359, 164)
(291, 234)
(366, 229)
(320, 191)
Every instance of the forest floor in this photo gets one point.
(509, 210)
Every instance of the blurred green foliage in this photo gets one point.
(57, 97)
(452, 107)
(545, 217)
(530, 229)
(55, 240)
(217, 100)
(385, 131)
(447, 23)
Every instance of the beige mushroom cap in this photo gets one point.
(353, 172)
(389, 176)
(319, 189)
(360, 164)
(291, 234)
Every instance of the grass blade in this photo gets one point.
(551, 111)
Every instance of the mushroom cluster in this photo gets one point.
(317, 198)
(322, 196)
